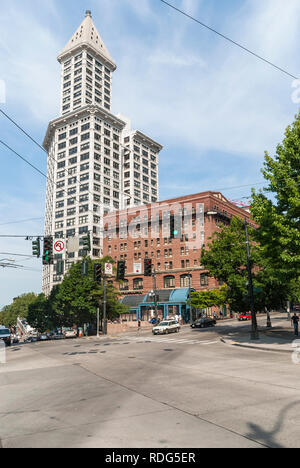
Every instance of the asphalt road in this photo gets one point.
(178, 391)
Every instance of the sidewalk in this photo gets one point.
(279, 338)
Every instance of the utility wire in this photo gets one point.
(23, 131)
(230, 40)
(48, 154)
(39, 171)
(25, 160)
(223, 189)
(21, 221)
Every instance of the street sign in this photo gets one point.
(73, 244)
(137, 268)
(59, 246)
(108, 269)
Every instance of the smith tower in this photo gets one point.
(87, 69)
(96, 163)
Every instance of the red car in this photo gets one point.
(244, 317)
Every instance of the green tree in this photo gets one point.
(18, 308)
(41, 315)
(276, 209)
(214, 298)
(78, 296)
(226, 259)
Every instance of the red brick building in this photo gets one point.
(144, 232)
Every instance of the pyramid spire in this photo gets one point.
(88, 36)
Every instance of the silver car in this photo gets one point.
(166, 327)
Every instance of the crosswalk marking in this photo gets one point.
(139, 339)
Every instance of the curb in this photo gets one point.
(258, 348)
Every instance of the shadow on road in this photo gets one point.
(268, 437)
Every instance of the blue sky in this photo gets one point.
(214, 108)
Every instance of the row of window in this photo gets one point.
(169, 282)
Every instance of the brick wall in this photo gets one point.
(175, 258)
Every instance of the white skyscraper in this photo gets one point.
(96, 163)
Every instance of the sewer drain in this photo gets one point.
(168, 350)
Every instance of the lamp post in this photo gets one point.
(153, 294)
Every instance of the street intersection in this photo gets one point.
(176, 391)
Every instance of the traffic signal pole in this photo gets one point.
(254, 329)
(155, 294)
(104, 307)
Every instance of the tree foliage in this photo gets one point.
(18, 308)
(75, 300)
(214, 298)
(226, 259)
(278, 216)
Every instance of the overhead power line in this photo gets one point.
(52, 157)
(21, 221)
(230, 40)
(22, 130)
(24, 159)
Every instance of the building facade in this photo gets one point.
(143, 233)
(96, 163)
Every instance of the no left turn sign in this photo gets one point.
(59, 246)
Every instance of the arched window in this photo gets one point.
(138, 284)
(185, 282)
(124, 286)
(169, 282)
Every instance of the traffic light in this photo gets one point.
(97, 272)
(48, 251)
(175, 227)
(86, 242)
(60, 267)
(147, 267)
(36, 248)
(121, 270)
(85, 269)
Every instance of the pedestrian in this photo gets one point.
(139, 325)
(295, 322)
(221, 315)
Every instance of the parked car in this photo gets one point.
(70, 333)
(165, 327)
(5, 336)
(204, 322)
(244, 317)
(43, 337)
(31, 339)
(57, 336)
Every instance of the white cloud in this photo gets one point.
(236, 103)
(168, 58)
(26, 48)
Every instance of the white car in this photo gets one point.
(69, 333)
(165, 327)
